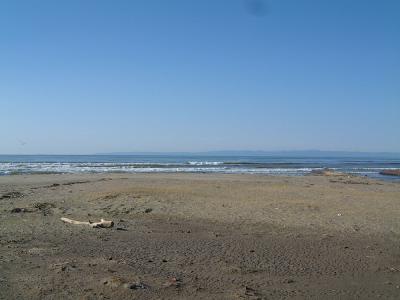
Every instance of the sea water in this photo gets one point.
(270, 165)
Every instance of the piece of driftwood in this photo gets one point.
(102, 224)
(390, 172)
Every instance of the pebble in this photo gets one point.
(135, 286)
(290, 281)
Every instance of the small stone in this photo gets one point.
(290, 281)
(135, 286)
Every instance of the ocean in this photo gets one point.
(269, 165)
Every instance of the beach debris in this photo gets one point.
(173, 281)
(44, 207)
(110, 196)
(11, 195)
(76, 182)
(148, 210)
(290, 280)
(248, 291)
(390, 172)
(102, 224)
(63, 267)
(122, 229)
(327, 172)
(60, 184)
(20, 210)
(339, 215)
(391, 269)
(135, 286)
(116, 282)
(349, 181)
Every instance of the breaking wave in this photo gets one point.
(182, 164)
(191, 167)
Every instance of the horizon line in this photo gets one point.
(220, 152)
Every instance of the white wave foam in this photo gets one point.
(205, 163)
(149, 167)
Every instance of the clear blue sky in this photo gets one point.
(93, 76)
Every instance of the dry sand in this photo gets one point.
(187, 236)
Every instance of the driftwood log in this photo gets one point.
(390, 172)
(102, 224)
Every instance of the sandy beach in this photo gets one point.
(199, 236)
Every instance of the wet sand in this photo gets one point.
(199, 236)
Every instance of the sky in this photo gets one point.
(91, 76)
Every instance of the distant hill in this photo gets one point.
(300, 153)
